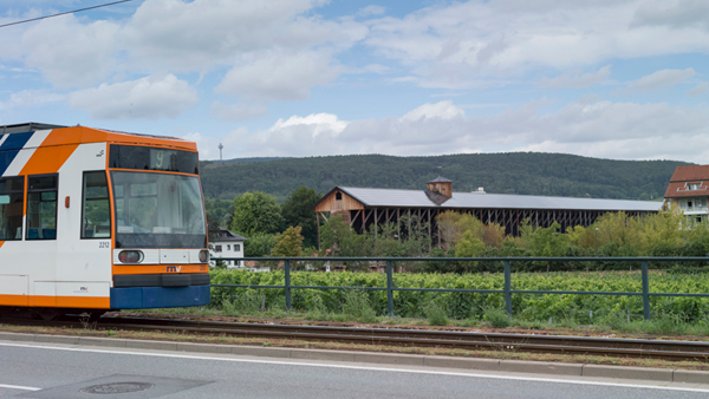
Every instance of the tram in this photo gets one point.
(99, 220)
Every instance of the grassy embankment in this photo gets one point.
(670, 315)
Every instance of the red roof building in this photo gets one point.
(689, 190)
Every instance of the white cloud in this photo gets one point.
(677, 14)
(464, 44)
(669, 148)
(31, 98)
(260, 51)
(441, 110)
(317, 125)
(294, 136)
(596, 128)
(662, 78)
(199, 34)
(371, 10)
(69, 53)
(377, 69)
(279, 75)
(578, 80)
(179, 36)
(699, 89)
(148, 97)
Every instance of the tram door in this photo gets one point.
(76, 242)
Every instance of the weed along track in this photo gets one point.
(637, 348)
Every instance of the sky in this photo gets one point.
(619, 79)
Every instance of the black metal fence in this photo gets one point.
(507, 268)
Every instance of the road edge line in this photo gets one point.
(451, 362)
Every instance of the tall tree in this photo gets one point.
(259, 244)
(219, 212)
(299, 210)
(288, 243)
(256, 212)
(545, 241)
(337, 238)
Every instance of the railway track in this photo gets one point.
(538, 343)
(643, 348)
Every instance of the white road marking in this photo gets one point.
(364, 368)
(18, 387)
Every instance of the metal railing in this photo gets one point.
(507, 266)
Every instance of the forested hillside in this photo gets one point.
(518, 173)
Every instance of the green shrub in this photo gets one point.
(435, 314)
(497, 318)
(358, 307)
(569, 308)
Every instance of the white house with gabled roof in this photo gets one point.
(225, 244)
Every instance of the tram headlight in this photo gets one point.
(204, 256)
(131, 256)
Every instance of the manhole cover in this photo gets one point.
(118, 387)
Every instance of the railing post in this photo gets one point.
(287, 285)
(390, 286)
(508, 286)
(646, 290)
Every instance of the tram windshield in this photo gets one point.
(156, 210)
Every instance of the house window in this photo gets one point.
(228, 247)
(217, 248)
(338, 196)
(698, 219)
(689, 204)
(237, 247)
(693, 186)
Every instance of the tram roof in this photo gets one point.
(34, 126)
(28, 127)
(85, 134)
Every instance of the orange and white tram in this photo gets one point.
(97, 220)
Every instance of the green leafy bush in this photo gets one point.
(436, 314)
(581, 309)
(356, 305)
(497, 318)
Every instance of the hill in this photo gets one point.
(515, 173)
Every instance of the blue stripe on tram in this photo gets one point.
(11, 147)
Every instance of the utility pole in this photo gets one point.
(220, 151)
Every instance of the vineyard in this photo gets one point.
(581, 309)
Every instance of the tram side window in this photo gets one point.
(42, 207)
(96, 215)
(11, 198)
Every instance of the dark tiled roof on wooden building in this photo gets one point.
(415, 198)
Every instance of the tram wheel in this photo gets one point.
(46, 314)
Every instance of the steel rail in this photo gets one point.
(540, 343)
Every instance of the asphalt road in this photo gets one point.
(58, 372)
